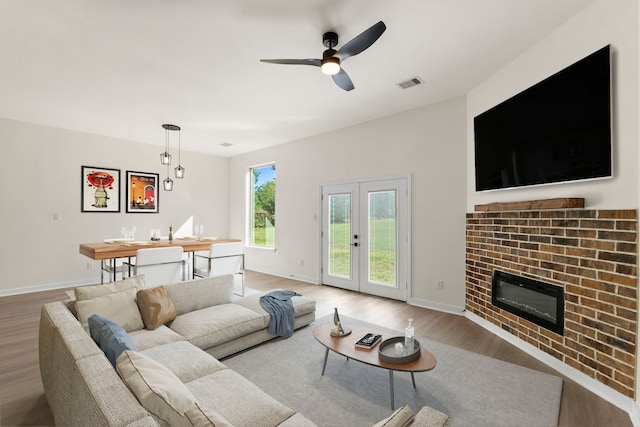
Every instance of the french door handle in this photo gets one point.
(354, 244)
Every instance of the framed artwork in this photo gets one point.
(100, 189)
(142, 192)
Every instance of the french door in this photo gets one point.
(365, 237)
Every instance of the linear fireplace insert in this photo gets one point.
(538, 302)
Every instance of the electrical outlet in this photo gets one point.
(89, 266)
(301, 263)
(57, 216)
(440, 285)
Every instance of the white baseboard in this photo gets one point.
(635, 414)
(453, 309)
(312, 280)
(607, 393)
(45, 287)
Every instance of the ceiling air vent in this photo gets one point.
(414, 81)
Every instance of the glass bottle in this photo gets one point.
(170, 233)
(408, 335)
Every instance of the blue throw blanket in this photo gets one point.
(280, 307)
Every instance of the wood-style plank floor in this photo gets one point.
(23, 403)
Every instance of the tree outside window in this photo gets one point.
(263, 206)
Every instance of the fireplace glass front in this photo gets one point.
(538, 302)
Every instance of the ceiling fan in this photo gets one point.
(332, 59)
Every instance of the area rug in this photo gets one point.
(474, 390)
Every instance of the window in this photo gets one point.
(263, 206)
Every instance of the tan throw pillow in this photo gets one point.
(119, 307)
(155, 307)
(94, 291)
(402, 417)
(162, 393)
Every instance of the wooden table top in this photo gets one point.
(346, 347)
(118, 249)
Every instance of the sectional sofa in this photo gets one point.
(84, 389)
(167, 371)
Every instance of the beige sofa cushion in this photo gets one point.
(239, 400)
(201, 293)
(163, 394)
(429, 417)
(185, 360)
(301, 305)
(119, 307)
(94, 291)
(401, 417)
(211, 326)
(146, 338)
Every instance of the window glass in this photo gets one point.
(263, 206)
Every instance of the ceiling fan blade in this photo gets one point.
(343, 80)
(309, 61)
(362, 41)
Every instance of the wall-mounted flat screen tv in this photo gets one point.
(558, 130)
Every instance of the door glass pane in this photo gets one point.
(340, 235)
(382, 237)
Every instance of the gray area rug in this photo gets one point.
(474, 390)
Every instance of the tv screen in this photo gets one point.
(555, 131)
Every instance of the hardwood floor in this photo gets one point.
(23, 403)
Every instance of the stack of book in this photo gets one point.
(368, 341)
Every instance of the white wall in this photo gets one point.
(427, 143)
(604, 22)
(40, 176)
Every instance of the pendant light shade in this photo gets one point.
(167, 184)
(179, 170)
(165, 158)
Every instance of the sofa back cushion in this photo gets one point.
(201, 293)
(120, 307)
(94, 291)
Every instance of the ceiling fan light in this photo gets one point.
(330, 65)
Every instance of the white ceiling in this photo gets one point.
(122, 68)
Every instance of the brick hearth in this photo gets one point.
(592, 254)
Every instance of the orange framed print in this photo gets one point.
(142, 192)
(100, 189)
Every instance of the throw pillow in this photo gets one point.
(155, 307)
(94, 291)
(120, 307)
(162, 393)
(402, 417)
(110, 337)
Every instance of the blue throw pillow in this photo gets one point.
(110, 337)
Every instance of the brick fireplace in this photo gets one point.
(592, 254)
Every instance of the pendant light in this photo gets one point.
(179, 170)
(167, 183)
(165, 158)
